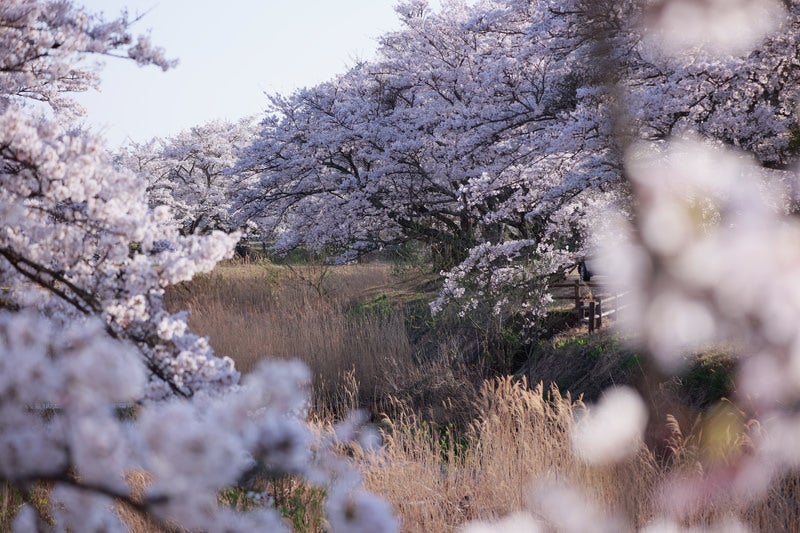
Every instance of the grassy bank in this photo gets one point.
(350, 322)
(460, 442)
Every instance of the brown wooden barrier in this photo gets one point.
(592, 301)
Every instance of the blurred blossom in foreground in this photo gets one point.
(712, 253)
(359, 512)
(713, 256)
(612, 430)
(727, 526)
(718, 27)
(514, 523)
(569, 510)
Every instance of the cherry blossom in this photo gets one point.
(191, 173)
(97, 378)
(501, 125)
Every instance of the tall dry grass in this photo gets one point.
(453, 451)
(438, 480)
(335, 319)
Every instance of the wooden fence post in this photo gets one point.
(592, 305)
(599, 308)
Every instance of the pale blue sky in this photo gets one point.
(231, 52)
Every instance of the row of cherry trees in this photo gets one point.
(493, 132)
(84, 261)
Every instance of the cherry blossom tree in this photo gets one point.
(45, 42)
(454, 137)
(84, 262)
(190, 173)
(412, 147)
(489, 131)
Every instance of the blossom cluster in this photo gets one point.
(493, 274)
(98, 380)
(79, 240)
(191, 173)
(61, 391)
(43, 42)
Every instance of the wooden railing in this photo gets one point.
(592, 301)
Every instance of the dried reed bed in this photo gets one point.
(438, 480)
(332, 318)
(520, 441)
(488, 444)
(135, 521)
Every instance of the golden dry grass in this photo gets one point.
(454, 451)
(320, 315)
(437, 480)
(135, 521)
(485, 446)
